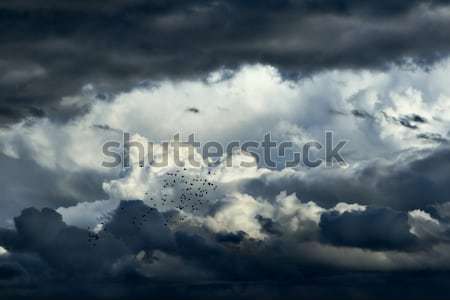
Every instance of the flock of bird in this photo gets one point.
(178, 190)
(187, 192)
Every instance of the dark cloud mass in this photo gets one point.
(55, 49)
(25, 183)
(48, 258)
(374, 229)
(413, 184)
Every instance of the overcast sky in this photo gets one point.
(77, 74)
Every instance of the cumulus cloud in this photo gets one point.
(297, 111)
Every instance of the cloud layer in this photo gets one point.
(59, 57)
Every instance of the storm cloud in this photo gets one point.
(58, 57)
(185, 261)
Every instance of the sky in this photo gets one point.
(77, 75)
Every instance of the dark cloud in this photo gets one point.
(228, 237)
(140, 227)
(193, 110)
(416, 118)
(361, 114)
(66, 248)
(415, 183)
(24, 183)
(269, 226)
(374, 228)
(107, 257)
(411, 121)
(54, 49)
(106, 127)
(47, 258)
(10, 271)
(406, 123)
(337, 112)
(433, 137)
(74, 251)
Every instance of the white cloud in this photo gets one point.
(3, 251)
(424, 226)
(345, 207)
(238, 212)
(245, 106)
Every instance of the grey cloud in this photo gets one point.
(234, 238)
(374, 228)
(140, 227)
(416, 118)
(361, 114)
(66, 248)
(269, 226)
(51, 255)
(432, 137)
(24, 183)
(193, 110)
(406, 123)
(411, 121)
(73, 251)
(418, 182)
(54, 49)
(106, 127)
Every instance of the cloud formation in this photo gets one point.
(58, 57)
(78, 74)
